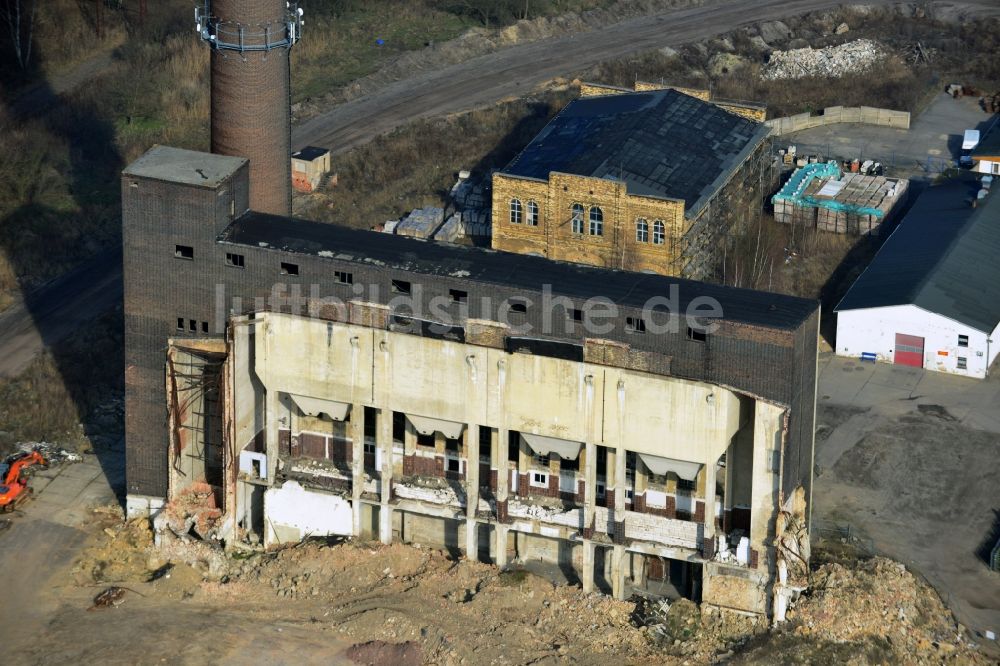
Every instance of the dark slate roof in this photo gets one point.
(663, 143)
(309, 153)
(942, 258)
(989, 143)
(508, 269)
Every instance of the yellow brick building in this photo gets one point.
(644, 181)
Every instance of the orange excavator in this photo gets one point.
(14, 488)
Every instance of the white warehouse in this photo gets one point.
(931, 296)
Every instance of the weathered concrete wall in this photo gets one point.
(730, 587)
(292, 513)
(832, 115)
(542, 395)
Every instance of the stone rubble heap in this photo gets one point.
(858, 56)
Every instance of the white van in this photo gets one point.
(969, 143)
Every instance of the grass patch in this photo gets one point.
(512, 578)
(338, 48)
(417, 164)
(61, 387)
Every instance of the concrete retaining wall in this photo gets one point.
(840, 114)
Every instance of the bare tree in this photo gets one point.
(20, 20)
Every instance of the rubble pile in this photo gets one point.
(193, 510)
(53, 453)
(413, 599)
(879, 602)
(858, 56)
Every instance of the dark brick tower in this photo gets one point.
(250, 41)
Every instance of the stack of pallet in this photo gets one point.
(853, 204)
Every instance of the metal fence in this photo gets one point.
(843, 532)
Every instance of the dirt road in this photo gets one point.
(517, 70)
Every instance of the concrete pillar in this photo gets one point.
(589, 513)
(502, 464)
(501, 555)
(618, 571)
(618, 555)
(471, 490)
(727, 492)
(384, 444)
(357, 462)
(641, 478)
(409, 439)
(271, 415)
(710, 499)
(620, 484)
(524, 454)
(589, 552)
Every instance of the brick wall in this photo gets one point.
(423, 466)
(554, 237)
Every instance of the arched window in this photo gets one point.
(641, 230)
(577, 218)
(658, 233)
(596, 221)
(515, 211)
(532, 214)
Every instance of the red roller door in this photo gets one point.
(909, 350)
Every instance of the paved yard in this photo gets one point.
(910, 457)
(934, 137)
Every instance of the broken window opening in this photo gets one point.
(577, 218)
(696, 335)
(289, 269)
(401, 287)
(659, 233)
(343, 277)
(458, 296)
(596, 221)
(532, 214)
(184, 252)
(235, 260)
(635, 324)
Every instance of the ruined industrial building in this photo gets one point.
(646, 432)
(655, 181)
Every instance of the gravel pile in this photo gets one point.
(858, 56)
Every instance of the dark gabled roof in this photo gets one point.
(942, 258)
(663, 144)
(517, 271)
(989, 143)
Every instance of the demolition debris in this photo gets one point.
(858, 56)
